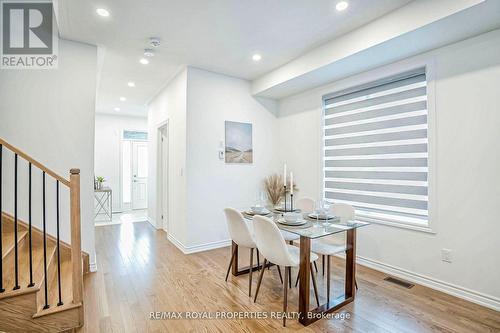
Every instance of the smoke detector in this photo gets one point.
(149, 53)
(154, 42)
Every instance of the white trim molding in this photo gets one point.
(152, 222)
(198, 248)
(93, 265)
(445, 287)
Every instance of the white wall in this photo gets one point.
(169, 105)
(467, 80)
(49, 114)
(197, 103)
(213, 185)
(108, 139)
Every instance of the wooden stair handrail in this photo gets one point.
(34, 162)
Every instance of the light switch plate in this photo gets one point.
(446, 255)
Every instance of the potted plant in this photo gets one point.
(99, 180)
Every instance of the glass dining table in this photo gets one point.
(314, 229)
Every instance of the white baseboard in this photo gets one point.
(198, 248)
(448, 288)
(93, 265)
(152, 222)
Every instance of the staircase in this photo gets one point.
(41, 277)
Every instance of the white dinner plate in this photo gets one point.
(263, 213)
(324, 218)
(292, 224)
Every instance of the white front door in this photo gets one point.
(139, 175)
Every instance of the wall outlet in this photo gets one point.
(446, 255)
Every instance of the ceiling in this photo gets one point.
(216, 35)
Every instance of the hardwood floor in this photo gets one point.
(140, 271)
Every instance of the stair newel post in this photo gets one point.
(1, 222)
(76, 246)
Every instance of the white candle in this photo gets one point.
(284, 175)
(291, 182)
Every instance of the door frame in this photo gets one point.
(162, 205)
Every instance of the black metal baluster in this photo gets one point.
(29, 228)
(58, 252)
(1, 222)
(16, 268)
(46, 306)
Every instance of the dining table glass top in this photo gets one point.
(313, 228)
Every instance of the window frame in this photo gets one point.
(381, 74)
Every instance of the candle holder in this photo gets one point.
(284, 208)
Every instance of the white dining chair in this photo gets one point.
(328, 246)
(241, 234)
(272, 245)
(291, 237)
(305, 204)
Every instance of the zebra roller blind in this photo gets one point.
(376, 148)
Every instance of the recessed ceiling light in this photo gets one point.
(123, 99)
(144, 61)
(117, 109)
(131, 84)
(256, 57)
(342, 5)
(102, 12)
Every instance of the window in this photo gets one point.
(376, 149)
(135, 135)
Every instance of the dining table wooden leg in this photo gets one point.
(308, 316)
(250, 276)
(234, 248)
(350, 271)
(304, 279)
(315, 286)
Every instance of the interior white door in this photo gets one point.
(164, 179)
(139, 175)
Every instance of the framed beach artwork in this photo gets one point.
(239, 147)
